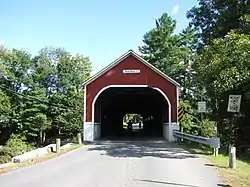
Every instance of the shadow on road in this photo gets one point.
(212, 165)
(224, 185)
(169, 183)
(141, 149)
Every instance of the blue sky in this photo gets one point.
(102, 30)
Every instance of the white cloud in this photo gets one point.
(175, 10)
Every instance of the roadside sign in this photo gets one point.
(234, 103)
(181, 113)
(202, 106)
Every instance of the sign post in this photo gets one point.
(202, 109)
(234, 103)
(181, 113)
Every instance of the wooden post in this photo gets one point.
(58, 142)
(202, 124)
(79, 138)
(232, 158)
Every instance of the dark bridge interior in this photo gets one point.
(114, 103)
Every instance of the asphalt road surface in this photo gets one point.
(118, 164)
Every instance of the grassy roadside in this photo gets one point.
(240, 177)
(37, 160)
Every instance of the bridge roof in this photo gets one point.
(120, 59)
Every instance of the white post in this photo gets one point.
(232, 158)
(58, 142)
(79, 138)
(216, 151)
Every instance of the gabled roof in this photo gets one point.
(124, 56)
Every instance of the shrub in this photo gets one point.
(4, 159)
(5, 154)
(17, 145)
(208, 128)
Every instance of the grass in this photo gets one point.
(239, 177)
(37, 160)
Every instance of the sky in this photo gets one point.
(102, 30)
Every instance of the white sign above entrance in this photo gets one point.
(131, 71)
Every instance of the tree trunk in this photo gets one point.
(44, 136)
(59, 132)
(41, 137)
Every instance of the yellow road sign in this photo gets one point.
(181, 113)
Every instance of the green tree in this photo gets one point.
(168, 51)
(15, 78)
(44, 92)
(5, 108)
(173, 54)
(135, 118)
(161, 46)
(223, 68)
(62, 76)
(4, 103)
(216, 18)
(35, 122)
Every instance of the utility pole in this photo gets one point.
(186, 61)
(202, 114)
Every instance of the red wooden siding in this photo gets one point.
(146, 77)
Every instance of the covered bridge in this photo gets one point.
(130, 85)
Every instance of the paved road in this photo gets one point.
(118, 164)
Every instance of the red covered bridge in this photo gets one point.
(130, 85)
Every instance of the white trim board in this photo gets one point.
(85, 104)
(120, 59)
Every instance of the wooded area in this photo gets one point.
(211, 60)
(41, 97)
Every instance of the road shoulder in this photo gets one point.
(14, 166)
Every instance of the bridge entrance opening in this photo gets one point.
(114, 106)
(133, 124)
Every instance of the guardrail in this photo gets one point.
(212, 142)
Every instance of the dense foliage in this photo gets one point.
(134, 118)
(223, 68)
(172, 54)
(16, 145)
(216, 18)
(41, 96)
(211, 60)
